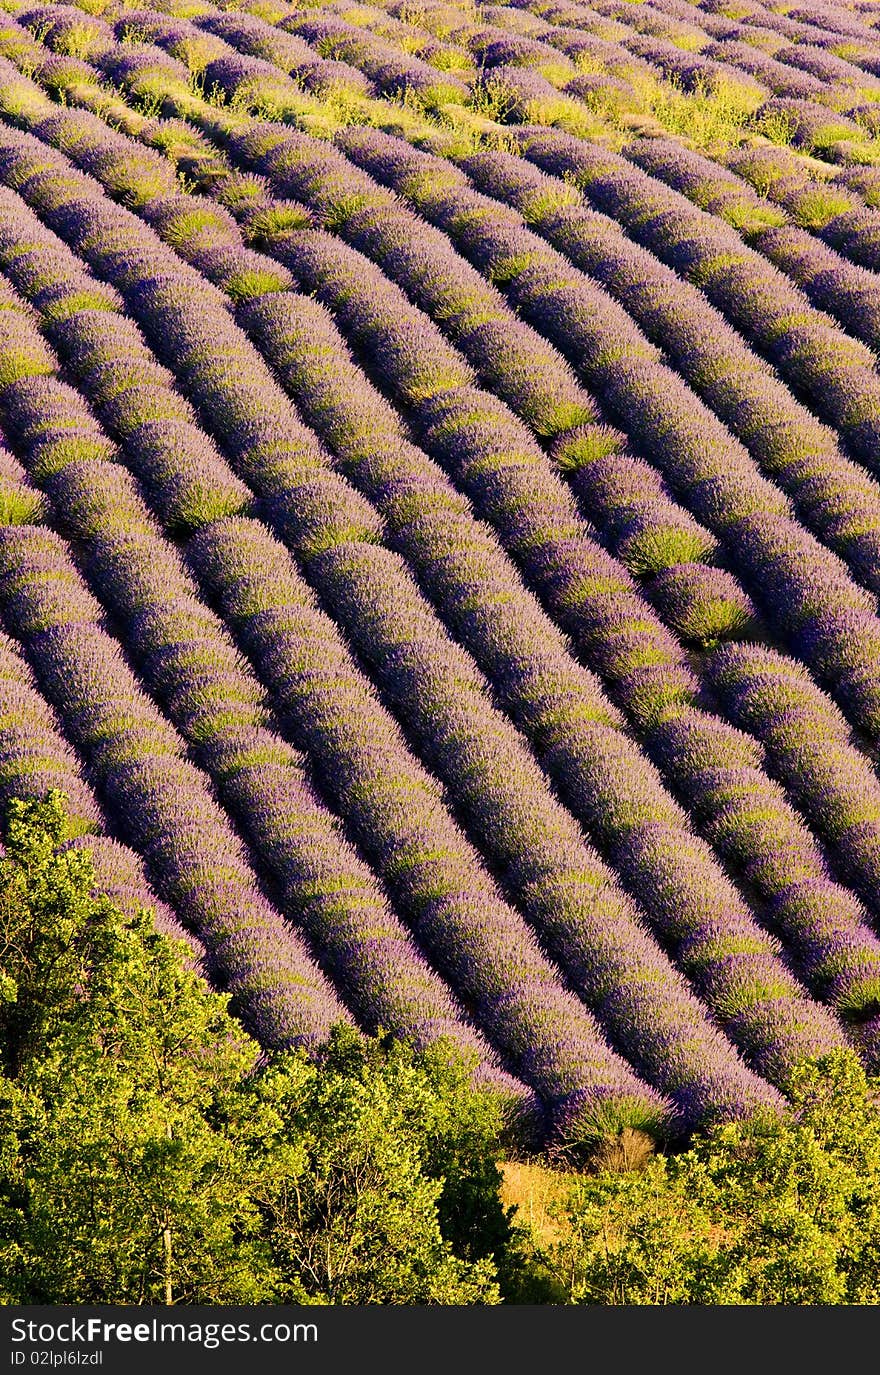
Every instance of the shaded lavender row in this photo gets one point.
(833, 496)
(803, 589)
(425, 859)
(163, 802)
(812, 751)
(189, 662)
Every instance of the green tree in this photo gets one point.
(116, 1056)
(148, 1154)
(776, 1210)
(353, 1211)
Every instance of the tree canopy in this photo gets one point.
(150, 1153)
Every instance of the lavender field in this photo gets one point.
(440, 520)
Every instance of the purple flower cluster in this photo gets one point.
(194, 47)
(857, 234)
(68, 30)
